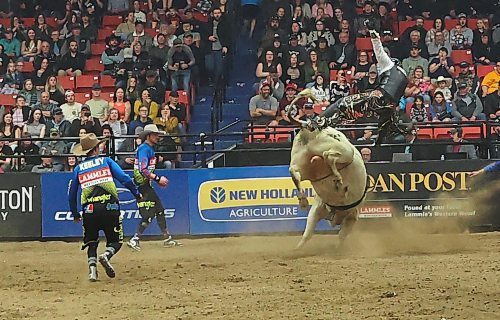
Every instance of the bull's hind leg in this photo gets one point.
(296, 177)
(347, 224)
(318, 211)
(331, 158)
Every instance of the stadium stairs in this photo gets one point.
(235, 106)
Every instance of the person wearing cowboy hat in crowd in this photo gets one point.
(150, 205)
(99, 202)
(112, 56)
(443, 85)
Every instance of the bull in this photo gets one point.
(325, 157)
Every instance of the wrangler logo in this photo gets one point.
(146, 204)
(102, 198)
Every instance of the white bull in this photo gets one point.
(336, 171)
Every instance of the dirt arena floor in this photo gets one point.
(398, 275)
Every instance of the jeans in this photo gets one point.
(181, 76)
(214, 64)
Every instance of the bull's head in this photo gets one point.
(292, 110)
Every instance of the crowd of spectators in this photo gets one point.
(151, 49)
(450, 51)
(160, 46)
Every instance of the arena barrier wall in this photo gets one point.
(248, 199)
(57, 221)
(20, 211)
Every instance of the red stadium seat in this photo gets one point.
(442, 133)
(261, 134)
(403, 25)
(461, 55)
(82, 97)
(107, 81)
(408, 107)
(85, 82)
(471, 132)
(28, 22)
(52, 21)
(472, 24)
(94, 66)
(450, 23)
(28, 67)
(111, 21)
(67, 82)
(282, 134)
(425, 133)
(5, 22)
(97, 49)
(318, 108)
(102, 34)
(7, 100)
(484, 70)
(151, 32)
(333, 74)
(428, 24)
(364, 44)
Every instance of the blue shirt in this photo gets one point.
(495, 166)
(95, 176)
(145, 164)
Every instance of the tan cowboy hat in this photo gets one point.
(440, 79)
(150, 128)
(87, 143)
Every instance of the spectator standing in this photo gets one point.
(219, 41)
(56, 43)
(158, 55)
(180, 59)
(89, 30)
(42, 29)
(367, 16)
(139, 15)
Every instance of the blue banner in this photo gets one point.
(57, 221)
(246, 200)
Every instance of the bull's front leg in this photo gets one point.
(297, 178)
(318, 211)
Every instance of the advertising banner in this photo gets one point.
(246, 200)
(264, 199)
(20, 215)
(421, 189)
(57, 221)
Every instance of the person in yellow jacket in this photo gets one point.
(168, 122)
(145, 100)
(490, 81)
